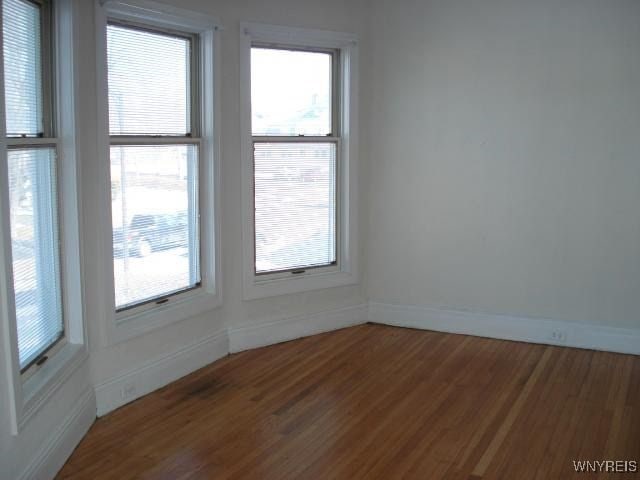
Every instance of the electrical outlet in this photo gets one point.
(558, 336)
(128, 391)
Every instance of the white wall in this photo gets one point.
(48, 438)
(505, 175)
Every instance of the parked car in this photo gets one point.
(148, 233)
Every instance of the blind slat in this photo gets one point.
(148, 82)
(34, 245)
(295, 205)
(154, 187)
(22, 68)
(155, 221)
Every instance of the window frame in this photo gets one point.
(52, 143)
(344, 128)
(32, 386)
(191, 138)
(332, 137)
(47, 139)
(130, 321)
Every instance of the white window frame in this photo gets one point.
(126, 324)
(346, 271)
(29, 391)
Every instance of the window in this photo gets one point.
(295, 194)
(41, 308)
(32, 167)
(299, 116)
(154, 131)
(157, 113)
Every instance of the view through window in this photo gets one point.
(154, 164)
(295, 156)
(31, 168)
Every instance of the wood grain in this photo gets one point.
(377, 402)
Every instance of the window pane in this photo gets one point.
(22, 67)
(34, 246)
(148, 82)
(155, 221)
(295, 205)
(290, 92)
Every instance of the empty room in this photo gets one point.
(304, 239)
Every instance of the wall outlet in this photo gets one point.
(558, 336)
(128, 391)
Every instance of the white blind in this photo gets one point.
(155, 221)
(34, 245)
(148, 82)
(295, 205)
(22, 67)
(154, 187)
(290, 92)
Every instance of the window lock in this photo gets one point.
(41, 360)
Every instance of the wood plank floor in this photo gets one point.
(377, 402)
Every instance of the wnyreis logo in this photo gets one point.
(610, 466)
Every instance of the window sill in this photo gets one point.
(259, 287)
(130, 324)
(39, 387)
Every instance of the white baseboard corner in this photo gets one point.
(268, 333)
(63, 440)
(159, 372)
(504, 327)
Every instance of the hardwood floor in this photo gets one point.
(377, 402)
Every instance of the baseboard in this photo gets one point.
(159, 372)
(168, 368)
(534, 330)
(254, 336)
(61, 442)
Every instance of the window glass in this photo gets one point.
(34, 247)
(155, 221)
(149, 76)
(295, 205)
(22, 68)
(290, 92)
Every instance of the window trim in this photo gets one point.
(30, 391)
(261, 285)
(121, 326)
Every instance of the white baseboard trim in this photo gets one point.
(254, 336)
(159, 372)
(534, 330)
(60, 444)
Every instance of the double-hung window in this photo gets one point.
(161, 147)
(295, 144)
(300, 90)
(31, 168)
(41, 304)
(154, 131)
